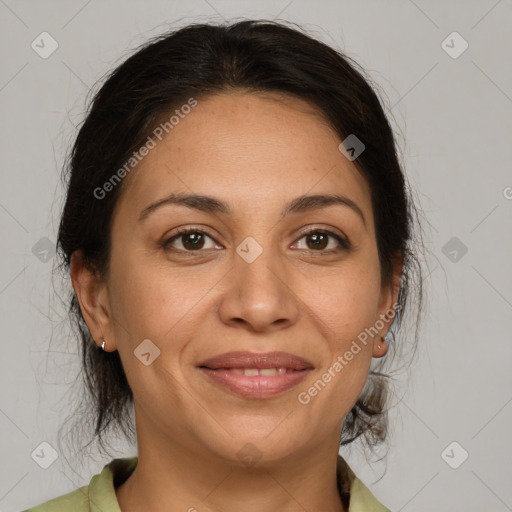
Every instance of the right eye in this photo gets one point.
(190, 239)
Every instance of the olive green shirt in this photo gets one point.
(100, 496)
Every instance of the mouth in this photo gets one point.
(256, 375)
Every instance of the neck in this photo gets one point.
(202, 482)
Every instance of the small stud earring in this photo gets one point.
(103, 345)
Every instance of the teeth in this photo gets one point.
(253, 372)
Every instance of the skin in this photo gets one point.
(256, 152)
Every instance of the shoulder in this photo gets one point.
(77, 500)
(98, 495)
(360, 498)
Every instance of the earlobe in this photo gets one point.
(380, 348)
(91, 292)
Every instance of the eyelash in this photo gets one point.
(344, 242)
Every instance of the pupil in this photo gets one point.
(196, 243)
(317, 242)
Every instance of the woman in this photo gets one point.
(237, 229)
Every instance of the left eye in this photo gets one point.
(317, 241)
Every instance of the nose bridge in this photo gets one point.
(258, 293)
(257, 268)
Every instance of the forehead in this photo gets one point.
(249, 149)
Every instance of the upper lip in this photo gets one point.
(256, 360)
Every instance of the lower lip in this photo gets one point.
(258, 386)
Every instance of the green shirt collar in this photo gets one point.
(100, 495)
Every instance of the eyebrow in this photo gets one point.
(210, 204)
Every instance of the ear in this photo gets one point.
(387, 307)
(92, 294)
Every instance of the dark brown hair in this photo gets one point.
(200, 60)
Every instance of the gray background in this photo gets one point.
(455, 118)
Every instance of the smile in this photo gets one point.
(256, 375)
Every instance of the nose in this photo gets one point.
(259, 295)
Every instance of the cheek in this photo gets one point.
(347, 357)
(345, 300)
(345, 306)
(156, 302)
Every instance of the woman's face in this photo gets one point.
(248, 278)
